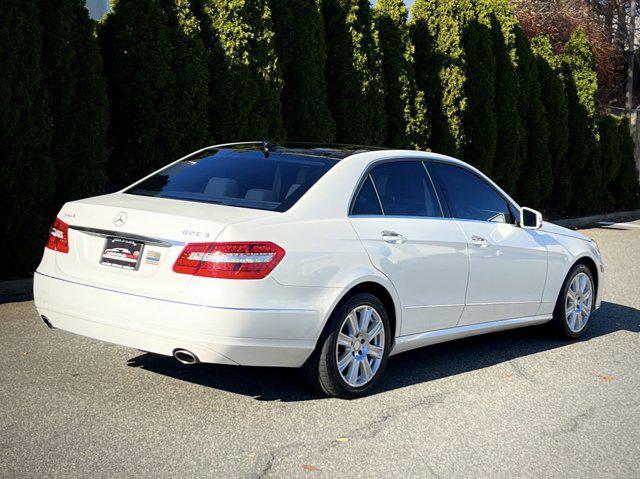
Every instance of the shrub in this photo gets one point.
(355, 91)
(28, 178)
(77, 95)
(404, 105)
(536, 176)
(245, 78)
(299, 41)
(555, 105)
(582, 156)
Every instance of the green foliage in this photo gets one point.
(582, 156)
(509, 132)
(427, 62)
(555, 105)
(404, 105)
(246, 82)
(77, 100)
(455, 48)
(299, 40)
(191, 88)
(619, 175)
(140, 78)
(536, 174)
(353, 72)
(28, 180)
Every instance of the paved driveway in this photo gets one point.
(513, 404)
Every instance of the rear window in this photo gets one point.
(242, 178)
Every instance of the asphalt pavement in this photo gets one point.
(512, 404)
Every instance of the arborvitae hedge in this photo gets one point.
(424, 28)
(138, 65)
(246, 81)
(77, 100)
(299, 40)
(353, 72)
(458, 48)
(28, 180)
(403, 103)
(625, 189)
(581, 85)
(555, 104)
(509, 133)
(190, 66)
(536, 175)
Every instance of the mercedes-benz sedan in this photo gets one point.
(322, 257)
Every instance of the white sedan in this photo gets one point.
(322, 257)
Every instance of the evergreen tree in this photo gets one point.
(625, 188)
(581, 85)
(536, 176)
(555, 104)
(506, 167)
(77, 99)
(353, 72)
(455, 48)
(138, 64)
(245, 79)
(610, 154)
(424, 28)
(190, 66)
(299, 40)
(403, 103)
(28, 180)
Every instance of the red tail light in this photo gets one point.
(59, 236)
(252, 260)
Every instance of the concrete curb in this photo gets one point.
(16, 290)
(22, 289)
(617, 216)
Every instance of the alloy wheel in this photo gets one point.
(360, 346)
(578, 303)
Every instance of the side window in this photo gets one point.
(469, 196)
(367, 201)
(405, 189)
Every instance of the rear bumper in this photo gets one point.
(223, 335)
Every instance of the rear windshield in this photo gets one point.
(242, 178)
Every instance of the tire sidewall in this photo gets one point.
(328, 351)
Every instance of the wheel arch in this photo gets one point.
(589, 262)
(373, 285)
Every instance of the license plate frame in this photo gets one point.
(122, 253)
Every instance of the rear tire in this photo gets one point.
(352, 354)
(574, 307)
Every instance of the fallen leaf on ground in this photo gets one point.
(606, 378)
(309, 467)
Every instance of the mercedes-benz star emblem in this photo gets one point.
(121, 218)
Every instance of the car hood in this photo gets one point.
(559, 230)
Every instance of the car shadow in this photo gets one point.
(418, 366)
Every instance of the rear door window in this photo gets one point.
(244, 178)
(405, 189)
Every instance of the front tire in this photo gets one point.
(351, 358)
(572, 313)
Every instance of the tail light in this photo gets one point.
(59, 236)
(251, 260)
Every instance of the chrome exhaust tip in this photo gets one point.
(185, 357)
(46, 322)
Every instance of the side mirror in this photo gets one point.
(530, 219)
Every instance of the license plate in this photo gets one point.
(122, 253)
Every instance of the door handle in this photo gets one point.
(393, 237)
(479, 241)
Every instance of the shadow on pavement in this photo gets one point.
(418, 366)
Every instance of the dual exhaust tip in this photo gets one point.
(185, 357)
